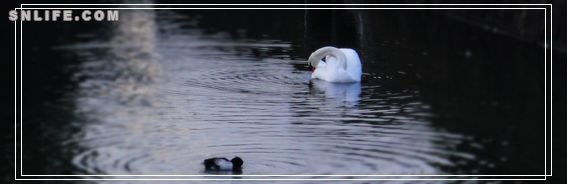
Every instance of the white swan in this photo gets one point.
(340, 65)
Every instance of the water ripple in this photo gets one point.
(217, 99)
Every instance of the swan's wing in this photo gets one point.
(354, 65)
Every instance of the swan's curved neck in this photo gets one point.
(319, 54)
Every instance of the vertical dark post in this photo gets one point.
(330, 27)
(319, 25)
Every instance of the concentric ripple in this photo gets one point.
(216, 98)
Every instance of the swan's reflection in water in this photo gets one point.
(346, 92)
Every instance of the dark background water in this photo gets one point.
(157, 94)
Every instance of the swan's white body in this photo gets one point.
(340, 65)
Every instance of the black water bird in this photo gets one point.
(223, 164)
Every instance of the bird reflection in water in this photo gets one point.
(342, 92)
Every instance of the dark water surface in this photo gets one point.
(166, 89)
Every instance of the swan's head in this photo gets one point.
(323, 52)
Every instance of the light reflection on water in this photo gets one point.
(159, 102)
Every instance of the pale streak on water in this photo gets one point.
(158, 99)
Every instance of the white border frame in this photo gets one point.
(550, 50)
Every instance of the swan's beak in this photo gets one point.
(311, 67)
(310, 63)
